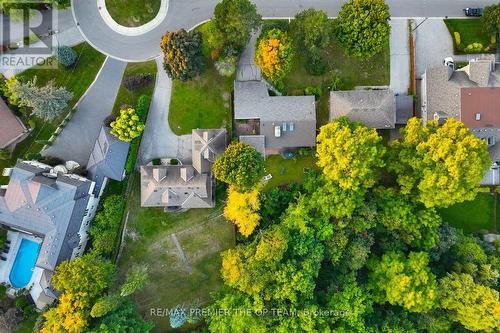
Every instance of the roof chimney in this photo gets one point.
(159, 173)
(186, 173)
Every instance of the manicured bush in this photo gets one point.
(4, 154)
(66, 56)
(474, 48)
(135, 82)
(316, 91)
(226, 66)
(104, 229)
(334, 84)
(132, 156)
(127, 126)
(458, 40)
(143, 107)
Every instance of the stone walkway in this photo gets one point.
(158, 140)
(77, 139)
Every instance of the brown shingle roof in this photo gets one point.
(11, 127)
(480, 107)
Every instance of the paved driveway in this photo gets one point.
(400, 56)
(158, 140)
(186, 14)
(77, 139)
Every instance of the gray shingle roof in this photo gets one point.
(374, 108)
(404, 109)
(207, 145)
(109, 156)
(175, 186)
(252, 101)
(51, 207)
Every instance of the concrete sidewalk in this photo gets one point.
(77, 139)
(158, 140)
(400, 56)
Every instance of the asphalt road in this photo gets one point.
(189, 13)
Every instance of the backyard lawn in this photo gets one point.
(472, 216)
(288, 171)
(127, 97)
(202, 234)
(76, 80)
(204, 102)
(133, 13)
(470, 31)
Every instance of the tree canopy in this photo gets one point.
(240, 165)
(242, 209)
(440, 166)
(127, 126)
(491, 18)
(183, 54)
(362, 27)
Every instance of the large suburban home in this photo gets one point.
(12, 130)
(176, 187)
(373, 108)
(47, 212)
(275, 123)
(472, 95)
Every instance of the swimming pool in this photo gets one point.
(22, 269)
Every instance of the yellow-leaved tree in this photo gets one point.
(243, 210)
(127, 126)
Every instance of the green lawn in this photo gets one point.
(287, 171)
(199, 103)
(471, 216)
(470, 32)
(202, 234)
(353, 72)
(127, 97)
(133, 13)
(76, 80)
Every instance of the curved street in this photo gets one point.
(187, 14)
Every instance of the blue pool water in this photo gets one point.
(22, 269)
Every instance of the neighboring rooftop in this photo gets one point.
(374, 108)
(207, 145)
(285, 121)
(48, 205)
(256, 141)
(11, 128)
(480, 107)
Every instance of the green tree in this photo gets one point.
(46, 102)
(491, 19)
(311, 31)
(440, 166)
(127, 126)
(274, 55)
(240, 165)
(407, 282)
(362, 27)
(182, 54)
(9, 87)
(416, 226)
(473, 305)
(350, 154)
(104, 228)
(123, 319)
(136, 279)
(105, 305)
(234, 21)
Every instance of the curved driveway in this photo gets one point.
(188, 13)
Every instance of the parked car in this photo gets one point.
(473, 12)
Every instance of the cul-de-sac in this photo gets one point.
(249, 166)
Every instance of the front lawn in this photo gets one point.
(133, 13)
(76, 80)
(202, 234)
(471, 216)
(204, 102)
(470, 31)
(288, 171)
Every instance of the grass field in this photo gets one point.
(470, 31)
(471, 216)
(287, 171)
(200, 103)
(202, 235)
(127, 97)
(133, 13)
(76, 80)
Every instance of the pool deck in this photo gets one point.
(15, 239)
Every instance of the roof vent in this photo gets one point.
(478, 116)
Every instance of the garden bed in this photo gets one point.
(204, 102)
(471, 31)
(133, 13)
